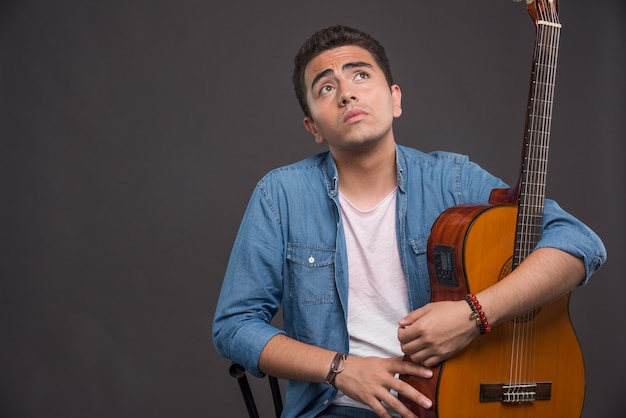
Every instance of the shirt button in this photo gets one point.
(311, 260)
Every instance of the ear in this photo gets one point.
(310, 126)
(396, 97)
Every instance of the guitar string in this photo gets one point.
(524, 340)
(549, 54)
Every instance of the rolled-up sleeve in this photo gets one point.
(251, 292)
(563, 231)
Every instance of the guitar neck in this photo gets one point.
(532, 181)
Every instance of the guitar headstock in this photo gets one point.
(543, 10)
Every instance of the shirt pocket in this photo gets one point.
(311, 273)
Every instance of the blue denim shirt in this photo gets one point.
(290, 250)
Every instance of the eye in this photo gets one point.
(362, 75)
(325, 89)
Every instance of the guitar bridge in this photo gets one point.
(515, 394)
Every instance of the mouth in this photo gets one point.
(353, 115)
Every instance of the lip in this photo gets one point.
(353, 115)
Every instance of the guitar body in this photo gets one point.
(477, 243)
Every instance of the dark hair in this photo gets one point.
(330, 38)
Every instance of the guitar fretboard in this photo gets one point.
(532, 184)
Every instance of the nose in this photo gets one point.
(346, 97)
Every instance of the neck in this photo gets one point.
(367, 179)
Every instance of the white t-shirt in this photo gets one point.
(378, 295)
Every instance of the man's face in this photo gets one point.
(352, 106)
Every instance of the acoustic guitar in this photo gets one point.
(533, 365)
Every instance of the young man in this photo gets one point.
(339, 240)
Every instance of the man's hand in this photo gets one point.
(371, 379)
(434, 332)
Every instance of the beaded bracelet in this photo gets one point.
(477, 314)
(335, 368)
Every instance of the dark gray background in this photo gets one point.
(133, 131)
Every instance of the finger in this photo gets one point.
(413, 346)
(409, 319)
(422, 357)
(411, 393)
(391, 402)
(399, 408)
(432, 361)
(408, 334)
(416, 369)
(377, 406)
(386, 402)
(380, 410)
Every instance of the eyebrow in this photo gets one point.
(346, 66)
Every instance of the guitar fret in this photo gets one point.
(537, 131)
(534, 206)
(529, 217)
(538, 145)
(547, 50)
(535, 175)
(541, 104)
(536, 115)
(541, 127)
(540, 121)
(538, 184)
(527, 214)
(521, 224)
(538, 110)
(528, 238)
(549, 67)
(544, 84)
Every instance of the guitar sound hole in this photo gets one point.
(527, 317)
